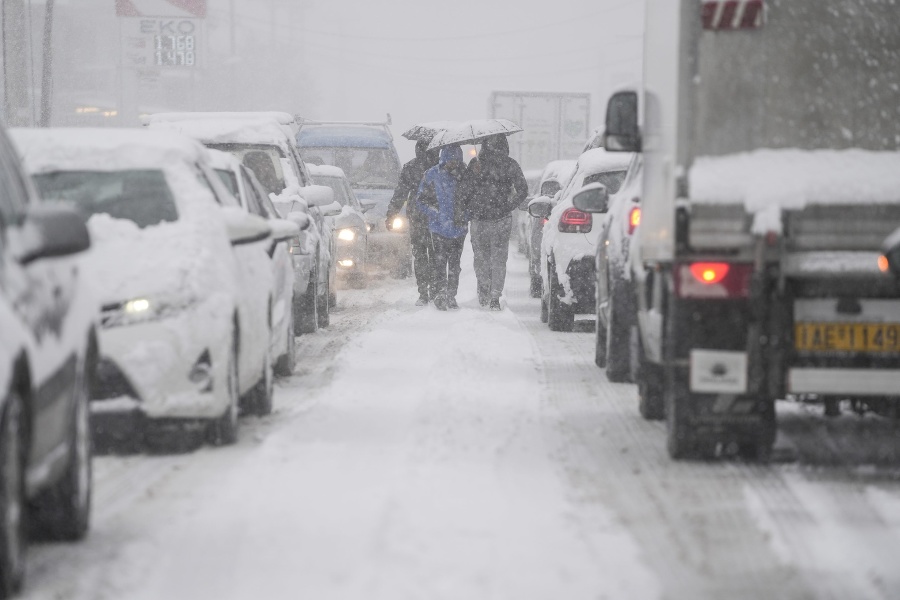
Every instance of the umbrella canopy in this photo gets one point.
(473, 132)
(425, 132)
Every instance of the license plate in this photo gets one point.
(847, 337)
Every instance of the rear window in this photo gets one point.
(141, 196)
(262, 159)
(611, 179)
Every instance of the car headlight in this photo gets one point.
(139, 310)
(347, 235)
(398, 224)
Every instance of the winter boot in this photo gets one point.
(451, 303)
(422, 301)
(495, 304)
(483, 296)
(440, 302)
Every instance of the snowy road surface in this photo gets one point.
(425, 455)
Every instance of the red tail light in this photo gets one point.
(634, 219)
(544, 221)
(713, 280)
(575, 221)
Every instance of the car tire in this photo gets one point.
(681, 441)
(223, 431)
(560, 317)
(651, 403)
(618, 333)
(537, 286)
(13, 531)
(545, 313)
(599, 341)
(324, 305)
(63, 511)
(261, 396)
(306, 310)
(284, 366)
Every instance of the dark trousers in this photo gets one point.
(445, 264)
(420, 240)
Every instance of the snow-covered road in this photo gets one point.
(467, 455)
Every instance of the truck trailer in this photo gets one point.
(770, 132)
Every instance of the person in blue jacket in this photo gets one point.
(441, 197)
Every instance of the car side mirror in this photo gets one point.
(891, 252)
(540, 208)
(593, 198)
(51, 232)
(283, 229)
(622, 133)
(331, 210)
(367, 206)
(300, 219)
(244, 228)
(317, 195)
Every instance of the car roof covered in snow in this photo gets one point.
(558, 169)
(352, 136)
(103, 149)
(224, 130)
(599, 160)
(282, 118)
(326, 171)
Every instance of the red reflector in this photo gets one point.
(575, 221)
(634, 219)
(883, 264)
(709, 273)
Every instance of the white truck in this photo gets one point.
(770, 133)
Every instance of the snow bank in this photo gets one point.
(767, 181)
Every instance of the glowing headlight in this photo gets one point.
(368, 227)
(137, 306)
(348, 235)
(346, 263)
(398, 224)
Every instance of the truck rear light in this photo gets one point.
(575, 221)
(732, 14)
(634, 219)
(713, 280)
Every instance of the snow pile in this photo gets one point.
(768, 181)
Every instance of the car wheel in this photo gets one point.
(306, 313)
(545, 313)
(618, 333)
(599, 340)
(651, 403)
(63, 511)
(560, 317)
(12, 497)
(223, 430)
(324, 308)
(262, 392)
(284, 366)
(681, 441)
(536, 286)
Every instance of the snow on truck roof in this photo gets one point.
(107, 149)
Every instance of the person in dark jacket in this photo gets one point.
(404, 194)
(440, 199)
(498, 186)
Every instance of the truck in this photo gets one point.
(555, 125)
(770, 133)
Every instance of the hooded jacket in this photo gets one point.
(441, 192)
(410, 178)
(498, 185)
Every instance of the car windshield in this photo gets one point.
(264, 160)
(364, 167)
(140, 196)
(611, 179)
(336, 184)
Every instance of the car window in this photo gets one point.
(254, 202)
(229, 179)
(13, 189)
(141, 196)
(611, 179)
(263, 159)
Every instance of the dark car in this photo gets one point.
(48, 353)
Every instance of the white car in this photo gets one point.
(569, 240)
(264, 142)
(184, 332)
(242, 183)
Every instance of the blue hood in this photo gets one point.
(450, 154)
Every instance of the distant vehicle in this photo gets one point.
(350, 231)
(616, 308)
(254, 199)
(570, 241)
(522, 218)
(366, 153)
(185, 335)
(555, 177)
(48, 356)
(263, 141)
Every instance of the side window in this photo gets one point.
(221, 199)
(254, 202)
(14, 196)
(301, 167)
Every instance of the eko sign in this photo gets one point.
(160, 42)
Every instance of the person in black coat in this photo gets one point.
(405, 194)
(498, 186)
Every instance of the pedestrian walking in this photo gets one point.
(498, 186)
(441, 197)
(419, 238)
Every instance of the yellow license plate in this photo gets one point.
(847, 337)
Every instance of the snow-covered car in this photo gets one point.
(350, 232)
(555, 177)
(264, 142)
(522, 218)
(616, 309)
(244, 185)
(48, 353)
(570, 240)
(184, 333)
(366, 154)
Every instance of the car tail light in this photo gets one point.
(713, 280)
(575, 221)
(544, 221)
(634, 219)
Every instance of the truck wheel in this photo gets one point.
(306, 313)
(651, 403)
(618, 334)
(599, 341)
(13, 535)
(560, 317)
(681, 441)
(760, 449)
